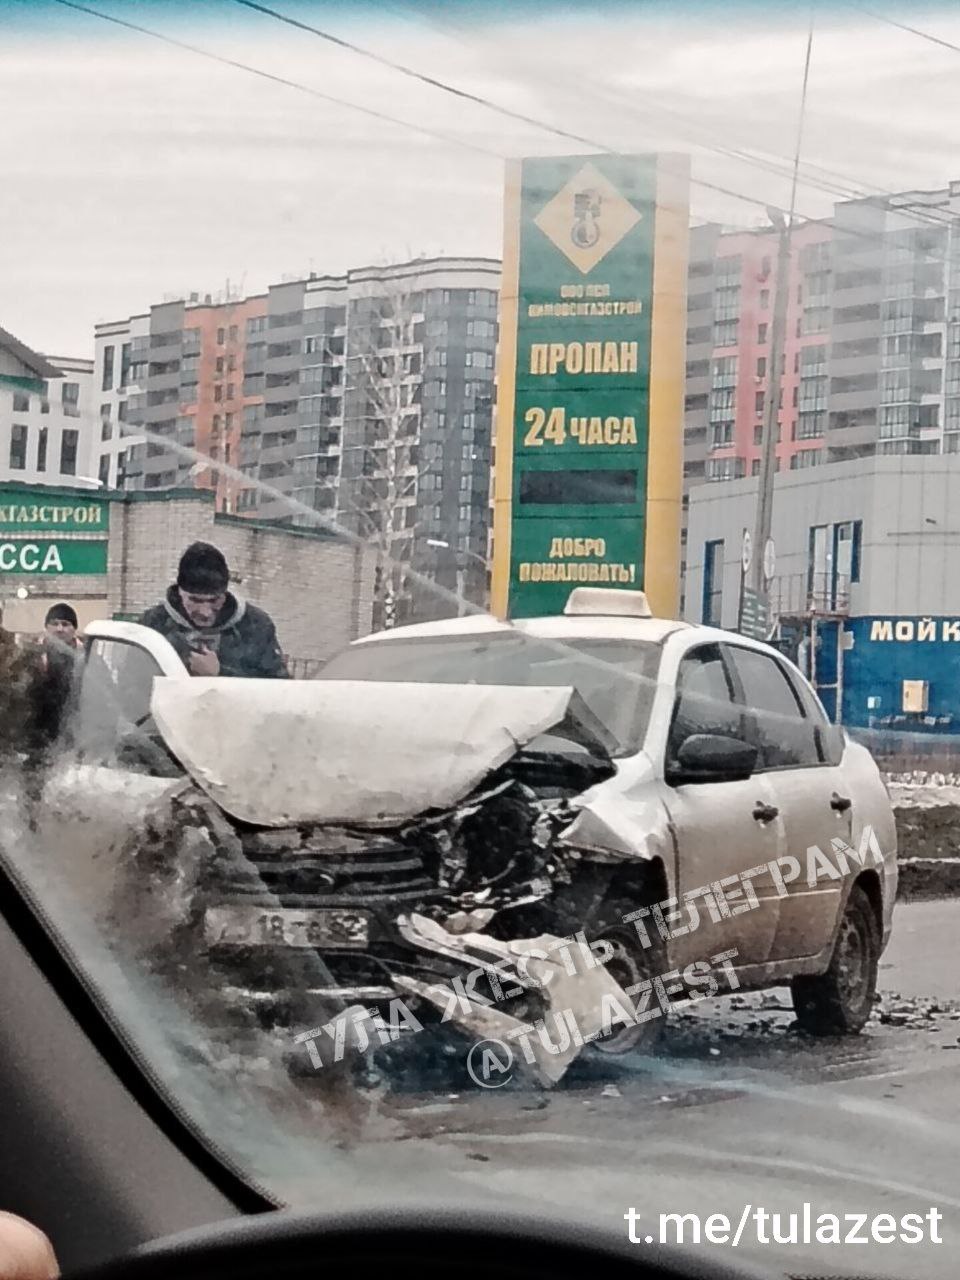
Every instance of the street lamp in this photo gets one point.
(442, 545)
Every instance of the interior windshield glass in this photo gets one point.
(372, 374)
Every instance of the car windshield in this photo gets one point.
(480, 611)
(616, 678)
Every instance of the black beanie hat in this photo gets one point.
(203, 570)
(61, 613)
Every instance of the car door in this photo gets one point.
(794, 759)
(722, 829)
(111, 770)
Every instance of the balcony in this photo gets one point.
(801, 595)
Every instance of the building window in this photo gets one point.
(230, 390)
(107, 384)
(103, 472)
(218, 393)
(758, 401)
(724, 372)
(755, 467)
(712, 611)
(810, 425)
(725, 333)
(219, 365)
(70, 399)
(846, 551)
(18, 447)
(256, 324)
(233, 333)
(724, 468)
(221, 337)
(69, 441)
(21, 402)
(42, 448)
(125, 364)
(764, 299)
(806, 458)
(762, 367)
(762, 334)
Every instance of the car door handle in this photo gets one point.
(840, 803)
(764, 812)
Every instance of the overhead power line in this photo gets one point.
(382, 116)
(903, 26)
(924, 216)
(447, 139)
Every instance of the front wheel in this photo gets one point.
(629, 965)
(839, 1001)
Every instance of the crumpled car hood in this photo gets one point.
(286, 753)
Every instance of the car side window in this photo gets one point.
(784, 733)
(115, 692)
(704, 701)
(829, 736)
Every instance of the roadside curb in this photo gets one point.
(925, 878)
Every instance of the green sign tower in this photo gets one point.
(588, 478)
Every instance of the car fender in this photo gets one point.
(623, 819)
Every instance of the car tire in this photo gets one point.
(839, 1001)
(629, 965)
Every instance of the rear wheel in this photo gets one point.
(839, 1001)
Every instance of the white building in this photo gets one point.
(118, 346)
(48, 432)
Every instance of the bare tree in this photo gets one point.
(382, 467)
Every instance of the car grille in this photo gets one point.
(305, 878)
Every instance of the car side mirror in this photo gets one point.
(712, 757)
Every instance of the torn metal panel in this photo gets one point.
(278, 753)
(622, 819)
(565, 973)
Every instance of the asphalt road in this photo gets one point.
(738, 1110)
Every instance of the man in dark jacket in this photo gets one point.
(57, 658)
(214, 631)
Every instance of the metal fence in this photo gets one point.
(803, 594)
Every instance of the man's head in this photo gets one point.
(202, 582)
(61, 622)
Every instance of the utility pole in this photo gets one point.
(771, 419)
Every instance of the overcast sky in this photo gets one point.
(131, 170)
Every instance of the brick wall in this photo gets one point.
(318, 589)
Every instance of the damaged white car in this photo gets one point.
(461, 806)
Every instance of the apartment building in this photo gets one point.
(366, 397)
(47, 426)
(171, 396)
(415, 472)
(871, 361)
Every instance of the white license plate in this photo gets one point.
(286, 927)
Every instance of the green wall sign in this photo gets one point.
(594, 261)
(53, 556)
(27, 510)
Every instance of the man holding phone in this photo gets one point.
(214, 631)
